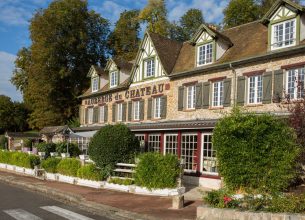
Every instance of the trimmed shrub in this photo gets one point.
(46, 147)
(27, 143)
(113, 144)
(120, 181)
(50, 164)
(68, 167)
(91, 172)
(19, 159)
(156, 171)
(255, 152)
(73, 149)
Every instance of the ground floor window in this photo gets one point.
(171, 144)
(189, 151)
(154, 142)
(208, 162)
(82, 142)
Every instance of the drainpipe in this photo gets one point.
(235, 84)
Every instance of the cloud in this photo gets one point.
(6, 69)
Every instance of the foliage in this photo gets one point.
(46, 147)
(265, 5)
(220, 199)
(68, 167)
(157, 171)
(91, 172)
(155, 14)
(287, 203)
(3, 142)
(27, 142)
(19, 159)
(113, 144)
(73, 123)
(124, 40)
(121, 181)
(67, 39)
(255, 151)
(50, 164)
(73, 149)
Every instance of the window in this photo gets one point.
(136, 110)
(90, 115)
(149, 67)
(205, 54)
(295, 83)
(120, 112)
(154, 142)
(208, 163)
(189, 151)
(157, 107)
(171, 144)
(191, 97)
(113, 79)
(283, 34)
(94, 84)
(255, 89)
(217, 94)
(141, 138)
(102, 114)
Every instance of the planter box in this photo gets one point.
(2, 165)
(10, 167)
(65, 155)
(83, 157)
(90, 183)
(53, 154)
(51, 176)
(159, 192)
(30, 172)
(42, 154)
(19, 169)
(118, 187)
(66, 179)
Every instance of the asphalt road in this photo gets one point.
(19, 204)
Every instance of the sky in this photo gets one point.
(15, 16)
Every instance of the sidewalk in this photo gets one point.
(118, 205)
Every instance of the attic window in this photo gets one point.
(95, 84)
(113, 79)
(205, 54)
(149, 67)
(283, 34)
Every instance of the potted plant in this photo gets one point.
(53, 154)
(83, 157)
(65, 155)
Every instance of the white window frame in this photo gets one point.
(152, 140)
(149, 67)
(191, 97)
(208, 159)
(136, 110)
(102, 114)
(90, 115)
(172, 147)
(119, 112)
(274, 44)
(157, 107)
(182, 155)
(95, 84)
(217, 94)
(114, 79)
(296, 93)
(257, 90)
(205, 54)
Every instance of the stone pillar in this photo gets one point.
(178, 202)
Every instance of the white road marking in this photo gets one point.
(20, 214)
(65, 213)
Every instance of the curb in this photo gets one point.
(93, 207)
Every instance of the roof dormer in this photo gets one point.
(94, 73)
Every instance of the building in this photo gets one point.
(16, 140)
(173, 93)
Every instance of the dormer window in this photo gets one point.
(205, 54)
(113, 79)
(149, 67)
(95, 84)
(283, 34)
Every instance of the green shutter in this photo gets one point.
(278, 85)
(227, 92)
(163, 106)
(180, 98)
(86, 116)
(124, 108)
(267, 87)
(130, 111)
(106, 113)
(241, 90)
(206, 95)
(199, 95)
(95, 115)
(142, 109)
(113, 112)
(149, 108)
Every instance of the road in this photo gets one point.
(18, 204)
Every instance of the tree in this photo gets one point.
(240, 12)
(155, 15)
(124, 40)
(67, 39)
(265, 5)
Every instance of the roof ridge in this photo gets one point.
(252, 22)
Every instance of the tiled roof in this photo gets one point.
(53, 129)
(123, 64)
(22, 135)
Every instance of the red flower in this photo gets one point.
(227, 199)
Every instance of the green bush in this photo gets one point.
(113, 144)
(287, 203)
(73, 149)
(91, 172)
(3, 142)
(157, 171)
(27, 143)
(46, 147)
(220, 199)
(19, 159)
(50, 164)
(68, 167)
(5, 156)
(120, 181)
(255, 152)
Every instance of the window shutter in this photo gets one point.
(163, 106)
(130, 111)
(81, 114)
(206, 95)
(241, 86)
(113, 112)
(142, 109)
(149, 108)
(227, 92)
(95, 115)
(86, 116)
(124, 108)
(180, 98)
(267, 87)
(106, 113)
(199, 95)
(278, 85)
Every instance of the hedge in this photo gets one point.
(19, 159)
(68, 167)
(50, 164)
(73, 149)
(157, 171)
(46, 147)
(91, 172)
